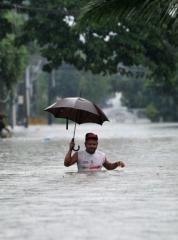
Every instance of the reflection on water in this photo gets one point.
(41, 199)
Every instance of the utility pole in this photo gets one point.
(27, 96)
(51, 85)
(13, 109)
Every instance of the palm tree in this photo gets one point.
(144, 10)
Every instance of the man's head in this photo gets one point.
(91, 142)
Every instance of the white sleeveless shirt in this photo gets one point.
(90, 162)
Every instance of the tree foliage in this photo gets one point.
(132, 10)
(13, 58)
(12, 61)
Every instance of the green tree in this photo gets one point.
(12, 62)
(56, 21)
(100, 47)
(13, 58)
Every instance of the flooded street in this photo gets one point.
(40, 199)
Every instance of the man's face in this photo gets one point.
(91, 146)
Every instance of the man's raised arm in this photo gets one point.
(69, 158)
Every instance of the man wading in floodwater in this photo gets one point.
(90, 159)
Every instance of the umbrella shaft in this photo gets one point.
(74, 130)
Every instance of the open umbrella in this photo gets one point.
(77, 109)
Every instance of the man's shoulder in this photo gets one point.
(100, 153)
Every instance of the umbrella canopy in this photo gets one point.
(77, 109)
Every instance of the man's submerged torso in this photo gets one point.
(90, 162)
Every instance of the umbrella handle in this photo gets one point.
(77, 149)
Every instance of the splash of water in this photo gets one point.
(118, 113)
